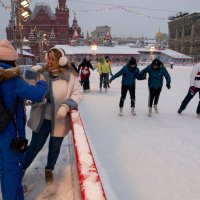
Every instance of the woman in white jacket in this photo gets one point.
(52, 118)
(194, 88)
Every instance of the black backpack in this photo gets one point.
(17, 144)
(4, 116)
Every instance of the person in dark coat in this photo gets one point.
(13, 93)
(130, 72)
(156, 71)
(84, 71)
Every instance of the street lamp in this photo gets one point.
(24, 10)
(42, 39)
(20, 11)
(152, 49)
(94, 48)
(24, 3)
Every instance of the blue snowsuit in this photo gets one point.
(10, 161)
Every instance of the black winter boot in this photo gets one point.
(179, 111)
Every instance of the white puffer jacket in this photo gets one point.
(195, 76)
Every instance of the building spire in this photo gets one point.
(62, 3)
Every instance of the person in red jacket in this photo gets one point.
(84, 70)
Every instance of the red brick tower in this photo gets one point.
(44, 29)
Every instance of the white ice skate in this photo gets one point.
(133, 111)
(150, 112)
(120, 111)
(155, 108)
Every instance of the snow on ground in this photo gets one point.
(138, 157)
(65, 184)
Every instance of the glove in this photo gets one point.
(42, 78)
(144, 76)
(62, 111)
(192, 90)
(168, 85)
(111, 73)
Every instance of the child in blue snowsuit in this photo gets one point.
(129, 73)
(156, 71)
(13, 93)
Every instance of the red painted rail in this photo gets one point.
(90, 183)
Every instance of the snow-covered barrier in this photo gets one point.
(91, 187)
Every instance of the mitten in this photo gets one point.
(168, 85)
(42, 78)
(192, 90)
(62, 111)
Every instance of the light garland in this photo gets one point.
(120, 8)
(97, 10)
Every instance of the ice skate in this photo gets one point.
(88, 90)
(133, 111)
(155, 109)
(120, 111)
(150, 112)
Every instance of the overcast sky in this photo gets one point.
(133, 18)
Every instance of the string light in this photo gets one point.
(123, 9)
(135, 7)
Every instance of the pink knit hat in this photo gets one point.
(7, 51)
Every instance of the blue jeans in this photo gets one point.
(37, 142)
(104, 80)
(10, 169)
